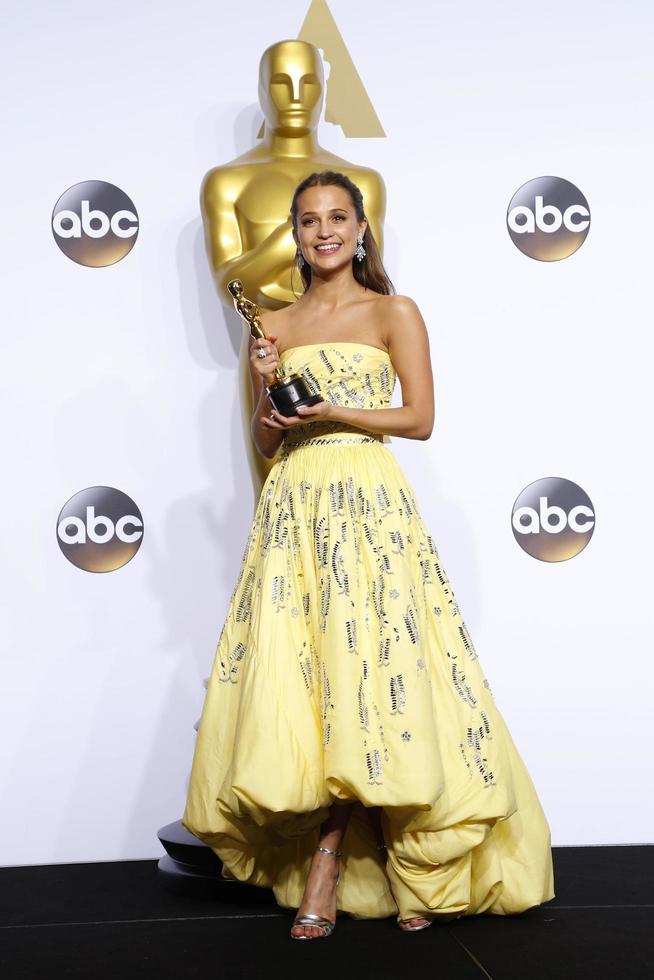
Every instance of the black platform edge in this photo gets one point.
(617, 875)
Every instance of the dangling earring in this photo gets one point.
(299, 259)
(360, 250)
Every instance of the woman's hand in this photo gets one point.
(311, 413)
(265, 366)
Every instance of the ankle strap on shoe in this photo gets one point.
(327, 850)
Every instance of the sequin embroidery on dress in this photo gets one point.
(364, 534)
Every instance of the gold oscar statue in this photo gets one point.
(288, 391)
(246, 202)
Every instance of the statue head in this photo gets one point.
(291, 87)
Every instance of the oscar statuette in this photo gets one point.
(286, 392)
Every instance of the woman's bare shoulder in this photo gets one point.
(397, 303)
(273, 316)
(397, 309)
(274, 322)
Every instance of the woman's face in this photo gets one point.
(327, 227)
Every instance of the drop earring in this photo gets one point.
(360, 250)
(299, 259)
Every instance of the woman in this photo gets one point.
(347, 715)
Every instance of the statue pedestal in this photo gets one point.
(186, 856)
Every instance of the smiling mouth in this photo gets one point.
(328, 249)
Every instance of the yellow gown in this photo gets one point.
(345, 672)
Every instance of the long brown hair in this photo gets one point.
(370, 272)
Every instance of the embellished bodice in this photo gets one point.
(350, 374)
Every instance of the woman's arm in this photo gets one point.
(266, 439)
(405, 421)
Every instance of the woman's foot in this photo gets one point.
(413, 925)
(319, 894)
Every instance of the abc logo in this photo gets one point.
(548, 218)
(95, 223)
(100, 529)
(553, 519)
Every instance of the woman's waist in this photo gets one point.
(323, 434)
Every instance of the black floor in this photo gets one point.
(126, 919)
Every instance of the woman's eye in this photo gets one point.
(337, 217)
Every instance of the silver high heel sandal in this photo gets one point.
(425, 924)
(310, 918)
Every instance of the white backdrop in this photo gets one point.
(128, 375)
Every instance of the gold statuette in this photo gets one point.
(287, 392)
